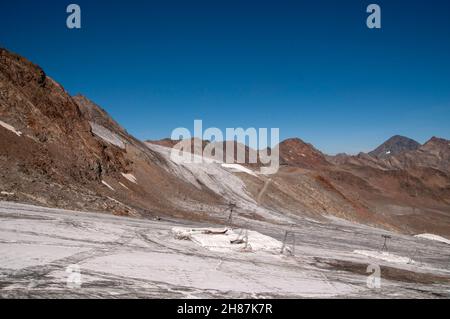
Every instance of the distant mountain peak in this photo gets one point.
(395, 145)
(438, 140)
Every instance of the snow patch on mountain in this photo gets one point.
(10, 128)
(121, 184)
(107, 135)
(107, 185)
(130, 177)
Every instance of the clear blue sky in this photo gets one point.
(311, 68)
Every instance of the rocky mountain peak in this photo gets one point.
(394, 146)
(295, 152)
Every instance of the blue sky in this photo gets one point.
(311, 68)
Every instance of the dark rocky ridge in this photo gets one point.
(394, 146)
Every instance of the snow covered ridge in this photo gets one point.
(382, 255)
(433, 237)
(107, 135)
(227, 240)
(10, 128)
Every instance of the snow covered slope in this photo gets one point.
(434, 237)
(119, 257)
(209, 174)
